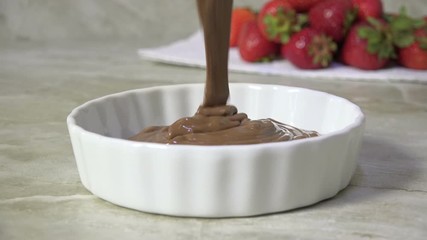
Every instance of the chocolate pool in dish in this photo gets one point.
(222, 125)
(215, 181)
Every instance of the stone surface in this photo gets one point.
(41, 195)
(45, 73)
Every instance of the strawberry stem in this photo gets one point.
(285, 23)
(379, 39)
(322, 49)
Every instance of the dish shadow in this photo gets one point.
(382, 165)
(387, 165)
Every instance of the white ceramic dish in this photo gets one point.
(215, 181)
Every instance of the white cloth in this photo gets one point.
(190, 52)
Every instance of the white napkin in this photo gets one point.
(190, 52)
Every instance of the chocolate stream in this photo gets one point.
(216, 123)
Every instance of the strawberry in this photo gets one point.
(303, 5)
(409, 35)
(253, 46)
(368, 8)
(277, 21)
(239, 17)
(309, 49)
(332, 17)
(415, 55)
(367, 47)
(413, 52)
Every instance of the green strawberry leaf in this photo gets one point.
(375, 23)
(403, 16)
(379, 39)
(270, 21)
(373, 48)
(349, 18)
(301, 22)
(404, 40)
(388, 17)
(284, 38)
(422, 41)
(365, 32)
(375, 38)
(402, 24)
(302, 19)
(283, 24)
(419, 23)
(266, 59)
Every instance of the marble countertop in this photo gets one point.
(41, 196)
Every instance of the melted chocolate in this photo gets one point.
(216, 123)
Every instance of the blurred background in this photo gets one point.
(149, 22)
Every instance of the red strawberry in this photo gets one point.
(239, 17)
(332, 17)
(368, 8)
(253, 46)
(366, 47)
(309, 49)
(303, 5)
(415, 55)
(277, 21)
(410, 36)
